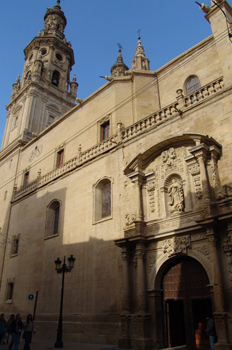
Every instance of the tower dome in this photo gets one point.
(119, 68)
(55, 21)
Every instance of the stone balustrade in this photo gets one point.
(24, 190)
(152, 120)
(203, 92)
(125, 134)
(98, 149)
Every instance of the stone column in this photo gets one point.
(220, 316)
(200, 152)
(141, 292)
(138, 200)
(156, 311)
(126, 297)
(137, 177)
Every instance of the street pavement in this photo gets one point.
(44, 344)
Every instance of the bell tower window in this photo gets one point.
(43, 52)
(55, 78)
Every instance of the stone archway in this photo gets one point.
(186, 302)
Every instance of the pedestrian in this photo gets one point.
(8, 327)
(28, 329)
(211, 331)
(17, 327)
(2, 327)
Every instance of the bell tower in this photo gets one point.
(45, 92)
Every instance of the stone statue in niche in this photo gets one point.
(176, 193)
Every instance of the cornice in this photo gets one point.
(123, 135)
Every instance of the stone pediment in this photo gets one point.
(186, 139)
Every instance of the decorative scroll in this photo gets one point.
(130, 219)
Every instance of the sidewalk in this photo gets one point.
(44, 344)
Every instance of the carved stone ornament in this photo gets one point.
(204, 249)
(35, 153)
(169, 156)
(141, 301)
(130, 219)
(224, 191)
(124, 328)
(214, 176)
(125, 301)
(176, 245)
(198, 189)
(171, 159)
(151, 194)
(194, 169)
(151, 261)
(176, 193)
(227, 245)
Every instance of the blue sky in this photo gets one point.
(94, 28)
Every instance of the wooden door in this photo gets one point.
(184, 294)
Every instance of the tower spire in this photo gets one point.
(140, 62)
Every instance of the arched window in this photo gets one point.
(55, 78)
(52, 219)
(106, 200)
(192, 83)
(102, 199)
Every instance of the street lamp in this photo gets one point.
(62, 269)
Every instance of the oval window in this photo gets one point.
(43, 52)
(59, 57)
(30, 58)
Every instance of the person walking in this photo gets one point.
(2, 327)
(211, 331)
(28, 329)
(8, 327)
(17, 327)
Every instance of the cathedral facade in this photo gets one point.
(134, 182)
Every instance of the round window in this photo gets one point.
(43, 52)
(59, 57)
(30, 58)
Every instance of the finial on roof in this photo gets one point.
(140, 62)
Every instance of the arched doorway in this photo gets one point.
(186, 303)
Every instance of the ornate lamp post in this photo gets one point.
(62, 269)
